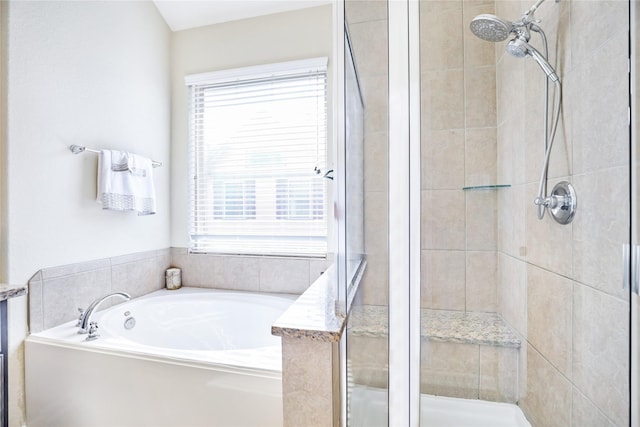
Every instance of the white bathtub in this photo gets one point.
(195, 357)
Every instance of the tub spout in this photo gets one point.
(85, 318)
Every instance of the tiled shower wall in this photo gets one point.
(560, 286)
(55, 294)
(458, 150)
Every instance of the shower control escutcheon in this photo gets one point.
(562, 202)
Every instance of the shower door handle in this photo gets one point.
(630, 262)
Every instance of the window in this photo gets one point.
(258, 148)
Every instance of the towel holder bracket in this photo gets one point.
(77, 149)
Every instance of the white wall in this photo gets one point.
(88, 73)
(274, 38)
(97, 74)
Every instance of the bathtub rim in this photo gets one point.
(191, 358)
(193, 363)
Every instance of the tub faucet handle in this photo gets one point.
(80, 316)
(85, 323)
(93, 332)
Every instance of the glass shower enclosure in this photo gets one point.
(467, 294)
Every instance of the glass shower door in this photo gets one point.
(514, 309)
(366, 112)
(517, 309)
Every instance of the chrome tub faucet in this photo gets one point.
(84, 321)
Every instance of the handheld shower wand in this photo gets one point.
(495, 29)
(519, 48)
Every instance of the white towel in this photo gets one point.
(125, 182)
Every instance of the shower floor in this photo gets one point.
(368, 408)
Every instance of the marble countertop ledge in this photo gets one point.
(11, 291)
(312, 316)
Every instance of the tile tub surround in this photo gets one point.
(56, 293)
(248, 273)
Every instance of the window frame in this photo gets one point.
(318, 244)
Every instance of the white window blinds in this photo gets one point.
(257, 136)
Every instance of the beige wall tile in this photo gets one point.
(62, 296)
(599, 120)
(360, 11)
(600, 228)
(137, 278)
(549, 316)
(284, 275)
(549, 245)
(367, 360)
(80, 267)
(443, 98)
(369, 44)
(511, 223)
(443, 161)
(375, 119)
(481, 278)
(36, 319)
(375, 282)
(547, 401)
(240, 273)
(585, 414)
(560, 162)
(443, 219)
(376, 173)
(477, 52)
(441, 39)
(481, 220)
(449, 369)
(480, 98)
(499, 374)
(307, 382)
(512, 292)
(600, 349)
(511, 149)
(509, 82)
(373, 97)
(375, 222)
(480, 156)
(593, 24)
(443, 280)
(201, 270)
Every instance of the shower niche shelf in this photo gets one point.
(486, 187)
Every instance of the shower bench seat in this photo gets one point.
(439, 325)
(470, 355)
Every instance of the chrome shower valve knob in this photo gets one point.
(562, 203)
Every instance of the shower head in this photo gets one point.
(519, 48)
(490, 27)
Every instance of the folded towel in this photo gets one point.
(125, 182)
